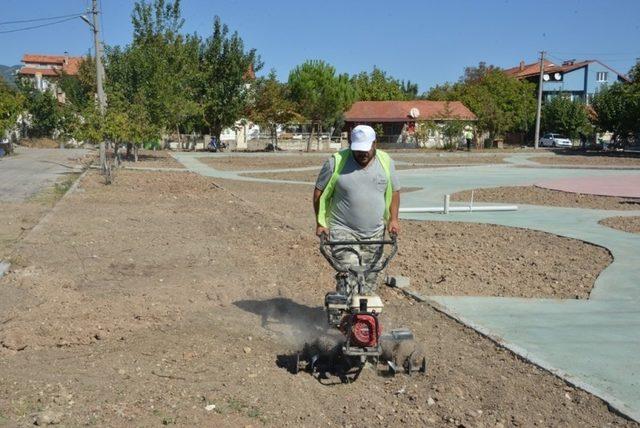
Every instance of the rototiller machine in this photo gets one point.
(356, 334)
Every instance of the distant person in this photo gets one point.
(357, 195)
(468, 135)
(213, 144)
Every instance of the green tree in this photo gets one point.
(225, 69)
(322, 96)
(476, 74)
(410, 90)
(79, 92)
(45, 114)
(378, 86)
(159, 68)
(125, 123)
(10, 107)
(452, 128)
(634, 73)
(140, 129)
(91, 126)
(565, 116)
(452, 131)
(271, 105)
(501, 103)
(617, 109)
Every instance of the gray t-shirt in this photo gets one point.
(358, 199)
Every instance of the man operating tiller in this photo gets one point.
(356, 195)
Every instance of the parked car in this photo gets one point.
(555, 140)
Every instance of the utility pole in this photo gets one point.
(102, 100)
(540, 83)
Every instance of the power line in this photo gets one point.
(555, 57)
(608, 60)
(39, 26)
(596, 53)
(23, 21)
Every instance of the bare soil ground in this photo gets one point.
(154, 159)
(613, 159)
(264, 162)
(17, 218)
(626, 224)
(308, 176)
(40, 143)
(144, 302)
(515, 264)
(538, 196)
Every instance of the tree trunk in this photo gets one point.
(129, 147)
(275, 138)
(103, 157)
(216, 132)
(135, 153)
(319, 137)
(310, 137)
(116, 160)
(179, 140)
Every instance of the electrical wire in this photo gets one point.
(24, 21)
(601, 54)
(38, 26)
(555, 57)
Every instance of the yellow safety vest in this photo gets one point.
(340, 160)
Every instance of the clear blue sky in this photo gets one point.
(428, 42)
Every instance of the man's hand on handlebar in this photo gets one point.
(393, 227)
(321, 230)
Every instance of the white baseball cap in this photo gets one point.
(362, 137)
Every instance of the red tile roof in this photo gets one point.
(398, 111)
(58, 64)
(73, 65)
(32, 71)
(529, 70)
(43, 59)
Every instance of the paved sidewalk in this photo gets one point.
(31, 170)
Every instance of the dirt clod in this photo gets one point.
(47, 417)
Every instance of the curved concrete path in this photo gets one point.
(593, 343)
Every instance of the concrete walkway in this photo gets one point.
(593, 343)
(28, 171)
(191, 161)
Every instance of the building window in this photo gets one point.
(601, 76)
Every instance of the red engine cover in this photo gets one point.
(365, 330)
